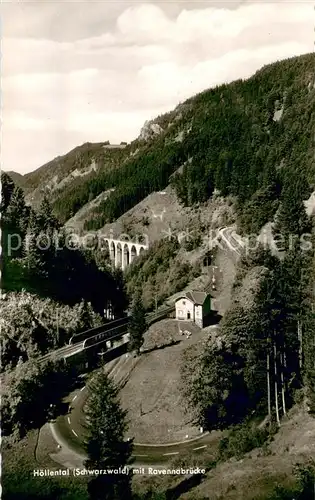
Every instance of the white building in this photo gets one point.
(193, 306)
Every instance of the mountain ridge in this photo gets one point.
(273, 110)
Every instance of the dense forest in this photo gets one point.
(158, 273)
(264, 355)
(38, 257)
(50, 290)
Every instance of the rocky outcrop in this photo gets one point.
(149, 130)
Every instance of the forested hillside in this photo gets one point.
(264, 354)
(244, 139)
(77, 170)
(50, 290)
(159, 273)
(37, 257)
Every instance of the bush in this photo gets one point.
(32, 392)
(242, 439)
(302, 490)
(192, 243)
(32, 326)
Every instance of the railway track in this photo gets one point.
(100, 334)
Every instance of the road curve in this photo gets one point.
(70, 431)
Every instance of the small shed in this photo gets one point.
(193, 306)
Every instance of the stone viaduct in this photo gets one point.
(122, 253)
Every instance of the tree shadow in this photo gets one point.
(184, 486)
(160, 347)
(212, 319)
(62, 408)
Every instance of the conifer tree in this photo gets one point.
(138, 325)
(107, 447)
(40, 241)
(297, 276)
(46, 218)
(7, 188)
(86, 311)
(14, 222)
(119, 297)
(291, 220)
(33, 255)
(307, 329)
(17, 212)
(217, 392)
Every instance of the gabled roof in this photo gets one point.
(195, 296)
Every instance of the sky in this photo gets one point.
(79, 71)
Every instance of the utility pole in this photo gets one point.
(213, 279)
(282, 359)
(300, 340)
(155, 297)
(268, 385)
(57, 319)
(276, 381)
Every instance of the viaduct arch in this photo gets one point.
(122, 252)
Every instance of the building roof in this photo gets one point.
(195, 296)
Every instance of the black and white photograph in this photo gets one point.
(157, 286)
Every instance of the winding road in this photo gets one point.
(70, 432)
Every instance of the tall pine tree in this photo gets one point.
(138, 325)
(291, 220)
(107, 447)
